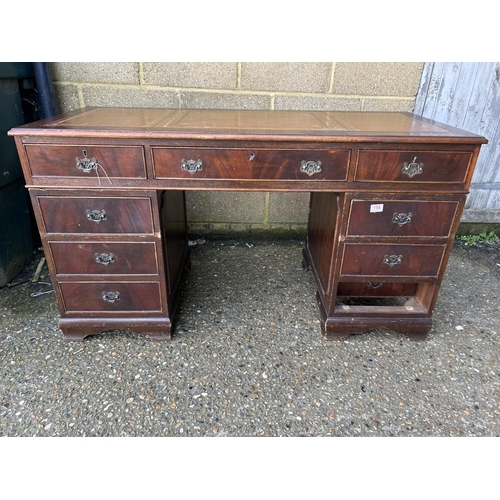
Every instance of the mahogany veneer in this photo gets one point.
(108, 184)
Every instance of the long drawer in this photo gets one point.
(104, 258)
(245, 164)
(422, 261)
(413, 166)
(401, 218)
(111, 297)
(57, 160)
(94, 215)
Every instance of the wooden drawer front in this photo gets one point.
(421, 166)
(250, 164)
(401, 218)
(49, 160)
(96, 215)
(104, 258)
(376, 289)
(392, 260)
(111, 296)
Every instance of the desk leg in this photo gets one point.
(176, 253)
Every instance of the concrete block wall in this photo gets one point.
(338, 86)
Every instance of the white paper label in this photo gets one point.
(376, 208)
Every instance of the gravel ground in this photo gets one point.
(248, 359)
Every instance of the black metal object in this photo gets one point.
(21, 101)
(45, 88)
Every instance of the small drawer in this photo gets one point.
(249, 164)
(96, 215)
(376, 289)
(423, 261)
(47, 160)
(401, 218)
(104, 258)
(413, 166)
(111, 297)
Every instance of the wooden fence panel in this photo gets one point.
(467, 95)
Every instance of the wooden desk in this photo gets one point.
(108, 191)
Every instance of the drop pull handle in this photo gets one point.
(105, 258)
(412, 168)
(402, 218)
(86, 164)
(97, 215)
(393, 260)
(310, 167)
(192, 166)
(111, 296)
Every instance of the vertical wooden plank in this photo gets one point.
(466, 81)
(447, 85)
(489, 127)
(485, 74)
(480, 95)
(425, 81)
(433, 90)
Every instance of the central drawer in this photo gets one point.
(104, 258)
(246, 164)
(422, 261)
(68, 214)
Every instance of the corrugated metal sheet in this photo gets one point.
(467, 95)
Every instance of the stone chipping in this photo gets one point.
(248, 359)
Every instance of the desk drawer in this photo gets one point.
(111, 297)
(49, 160)
(423, 261)
(96, 215)
(376, 289)
(413, 166)
(401, 218)
(104, 258)
(250, 164)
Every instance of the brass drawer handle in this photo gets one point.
(393, 260)
(310, 167)
(192, 166)
(97, 215)
(413, 168)
(104, 258)
(111, 296)
(86, 164)
(402, 218)
(375, 285)
(90, 164)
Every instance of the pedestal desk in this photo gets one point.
(108, 191)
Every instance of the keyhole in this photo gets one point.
(252, 156)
